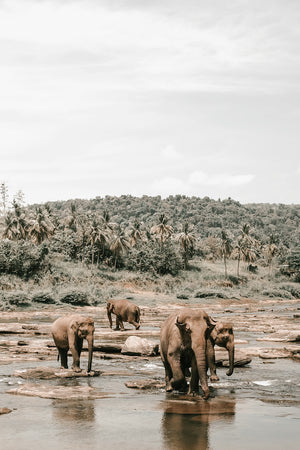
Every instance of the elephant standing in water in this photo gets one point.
(221, 335)
(68, 333)
(125, 311)
(183, 344)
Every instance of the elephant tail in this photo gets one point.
(58, 356)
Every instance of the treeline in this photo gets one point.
(150, 234)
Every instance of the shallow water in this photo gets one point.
(258, 407)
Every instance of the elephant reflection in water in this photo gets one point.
(74, 411)
(185, 424)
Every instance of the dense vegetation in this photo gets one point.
(149, 235)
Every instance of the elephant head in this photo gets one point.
(84, 329)
(195, 328)
(222, 335)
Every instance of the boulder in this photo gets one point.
(241, 358)
(47, 373)
(57, 392)
(138, 346)
(145, 384)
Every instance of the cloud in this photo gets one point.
(221, 179)
(169, 153)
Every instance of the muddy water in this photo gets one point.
(257, 407)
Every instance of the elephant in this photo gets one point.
(68, 333)
(222, 335)
(125, 311)
(183, 343)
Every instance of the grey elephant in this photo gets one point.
(125, 311)
(183, 344)
(222, 335)
(68, 333)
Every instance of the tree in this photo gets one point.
(135, 233)
(186, 241)
(225, 248)
(41, 227)
(271, 251)
(3, 196)
(247, 247)
(119, 243)
(16, 225)
(162, 230)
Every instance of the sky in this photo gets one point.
(150, 97)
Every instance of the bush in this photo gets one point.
(76, 298)
(18, 299)
(45, 298)
(23, 259)
(159, 258)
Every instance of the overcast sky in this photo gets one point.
(154, 97)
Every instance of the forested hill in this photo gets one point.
(208, 216)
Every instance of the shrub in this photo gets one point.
(18, 299)
(22, 258)
(43, 297)
(76, 298)
(160, 258)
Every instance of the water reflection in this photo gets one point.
(185, 422)
(73, 411)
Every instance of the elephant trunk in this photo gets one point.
(90, 350)
(230, 349)
(200, 355)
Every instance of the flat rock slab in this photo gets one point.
(145, 384)
(57, 392)
(47, 373)
(5, 411)
(274, 354)
(241, 358)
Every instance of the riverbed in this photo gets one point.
(257, 407)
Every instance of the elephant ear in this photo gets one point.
(183, 326)
(75, 325)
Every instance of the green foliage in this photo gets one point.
(161, 258)
(43, 297)
(22, 258)
(75, 298)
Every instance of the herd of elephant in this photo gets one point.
(187, 341)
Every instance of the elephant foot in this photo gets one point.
(214, 378)
(76, 369)
(117, 329)
(63, 367)
(138, 327)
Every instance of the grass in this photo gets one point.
(77, 284)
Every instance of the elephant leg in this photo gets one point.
(75, 365)
(134, 323)
(194, 382)
(63, 353)
(79, 346)
(168, 376)
(178, 380)
(119, 323)
(211, 361)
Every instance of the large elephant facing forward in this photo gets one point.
(183, 343)
(125, 311)
(68, 333)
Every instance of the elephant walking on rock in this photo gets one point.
(68, 333)
(183, 344)
(125, 311)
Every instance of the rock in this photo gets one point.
(57, 392)
(283, 336)
(240, 358)
(5, 411)
(138, 346)
(47, 373)
(145, 384)
(274, 353)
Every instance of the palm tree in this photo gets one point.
(271, 251)
(187, 241)
(15, 224)
(225, 248)
(97, 237)
(162, 230)
(72, 220)
(41, 227)
(246, 247)
(119, 243)
(135, 233)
